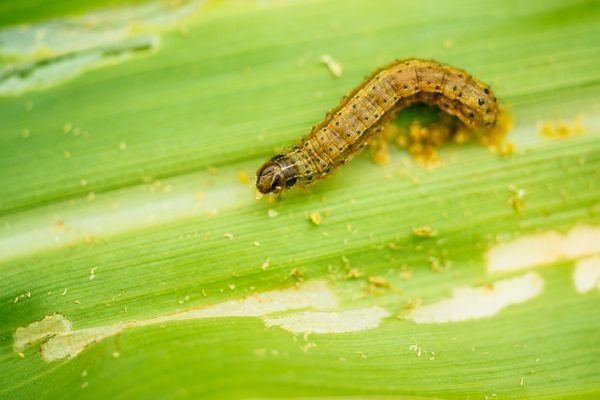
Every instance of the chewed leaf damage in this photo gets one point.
(59, 340)
(51, 52)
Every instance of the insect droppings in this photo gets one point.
(366, 110)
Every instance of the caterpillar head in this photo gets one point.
(269, 178)
(275, 175)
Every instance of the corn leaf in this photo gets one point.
(128, 131)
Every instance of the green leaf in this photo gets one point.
(129, 233)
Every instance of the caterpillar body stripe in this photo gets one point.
(365, 111)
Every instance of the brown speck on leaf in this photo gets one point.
(405, 272)
(315, 218)
(354, 273)
(266, 264)
(435, 264)
(516, 198)
(506, 149)
(424, 231)
(379, 281)
(412, 304)
(334, 67)
(296, 274)
(93, 273)
(561, 129)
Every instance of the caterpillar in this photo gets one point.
(365, 111)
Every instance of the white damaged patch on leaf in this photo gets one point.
(47, 327)
(94, 29)
(545, 248)
(51, 52)
(587, 274)
(330, 322)
(69, 344)
(60, 341)
(22, 77)
(480, 302)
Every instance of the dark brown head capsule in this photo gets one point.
(275, 175)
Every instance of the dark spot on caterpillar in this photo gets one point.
(315, 157)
